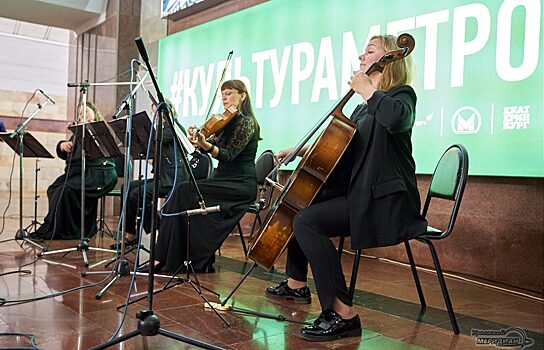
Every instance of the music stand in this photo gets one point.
(98, 142)
(25, 145)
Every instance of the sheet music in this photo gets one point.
(183, 139)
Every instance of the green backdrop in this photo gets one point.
(478, 65)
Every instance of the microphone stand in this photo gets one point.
(83, 245)
(149, 323)
(35, 223)
(19, 132)
(121, 267)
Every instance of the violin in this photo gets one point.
(218, 121)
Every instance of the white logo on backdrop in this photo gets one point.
(466, 120)
(516, 117)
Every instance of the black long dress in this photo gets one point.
(233, 187)
(64, 196)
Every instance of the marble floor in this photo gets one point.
(49, 301)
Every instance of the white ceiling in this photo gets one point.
(76, 15)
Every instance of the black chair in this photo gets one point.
(202, 166)
(447, 183)
(264, 167)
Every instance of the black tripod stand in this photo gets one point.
(149, 323)
(35, 223)
(25, 145)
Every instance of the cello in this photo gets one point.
(313, 170)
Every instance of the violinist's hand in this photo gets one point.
(362, 84)
(67, 146)
(193, 134)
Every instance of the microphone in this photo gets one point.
(201, 211)
(46, 96)
(121, 107)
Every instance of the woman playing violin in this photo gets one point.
(63, 221)
(233, 187)
(371, 195)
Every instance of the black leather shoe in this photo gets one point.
(128, 244)
(145, 268)
(330, 326)
(284, 292)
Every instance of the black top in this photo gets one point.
(171, 160)
(237, 144)
(75, 156)
(379, 171)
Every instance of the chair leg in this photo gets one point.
(340, 247)
(416, 276)
(242, 238)
(442, 282)
(354, 273)
(252, 232)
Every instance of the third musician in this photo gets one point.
(233, 187)
(371, 195)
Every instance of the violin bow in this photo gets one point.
(229, 58)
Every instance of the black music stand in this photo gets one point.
(25, 145)
(98, 143)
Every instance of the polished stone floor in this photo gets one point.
(67, 315)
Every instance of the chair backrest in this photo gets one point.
(202, 166)
(448, 181)
(264, 166)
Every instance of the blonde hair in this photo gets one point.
(97, 115)
(395, 73)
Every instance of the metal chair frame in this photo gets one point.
(453, 191)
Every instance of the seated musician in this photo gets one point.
(372, 195)
(63, 220)
(233, 187)
(169, 163)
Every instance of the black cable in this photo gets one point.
(26, 272)
(6, 303)
(32, 340)
(9, 196)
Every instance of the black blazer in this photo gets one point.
(383, 196)
(168, 160)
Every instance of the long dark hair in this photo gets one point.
(245, 107)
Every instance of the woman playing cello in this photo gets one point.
(371, 195)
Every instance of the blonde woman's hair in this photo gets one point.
(395, 73)
(97, 115)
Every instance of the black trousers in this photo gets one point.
(134, 202)
(314, 226)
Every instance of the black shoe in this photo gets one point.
(128, 244)
(145, 268)
(283, 291)
(330, 326)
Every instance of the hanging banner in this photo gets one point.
(478, 72)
